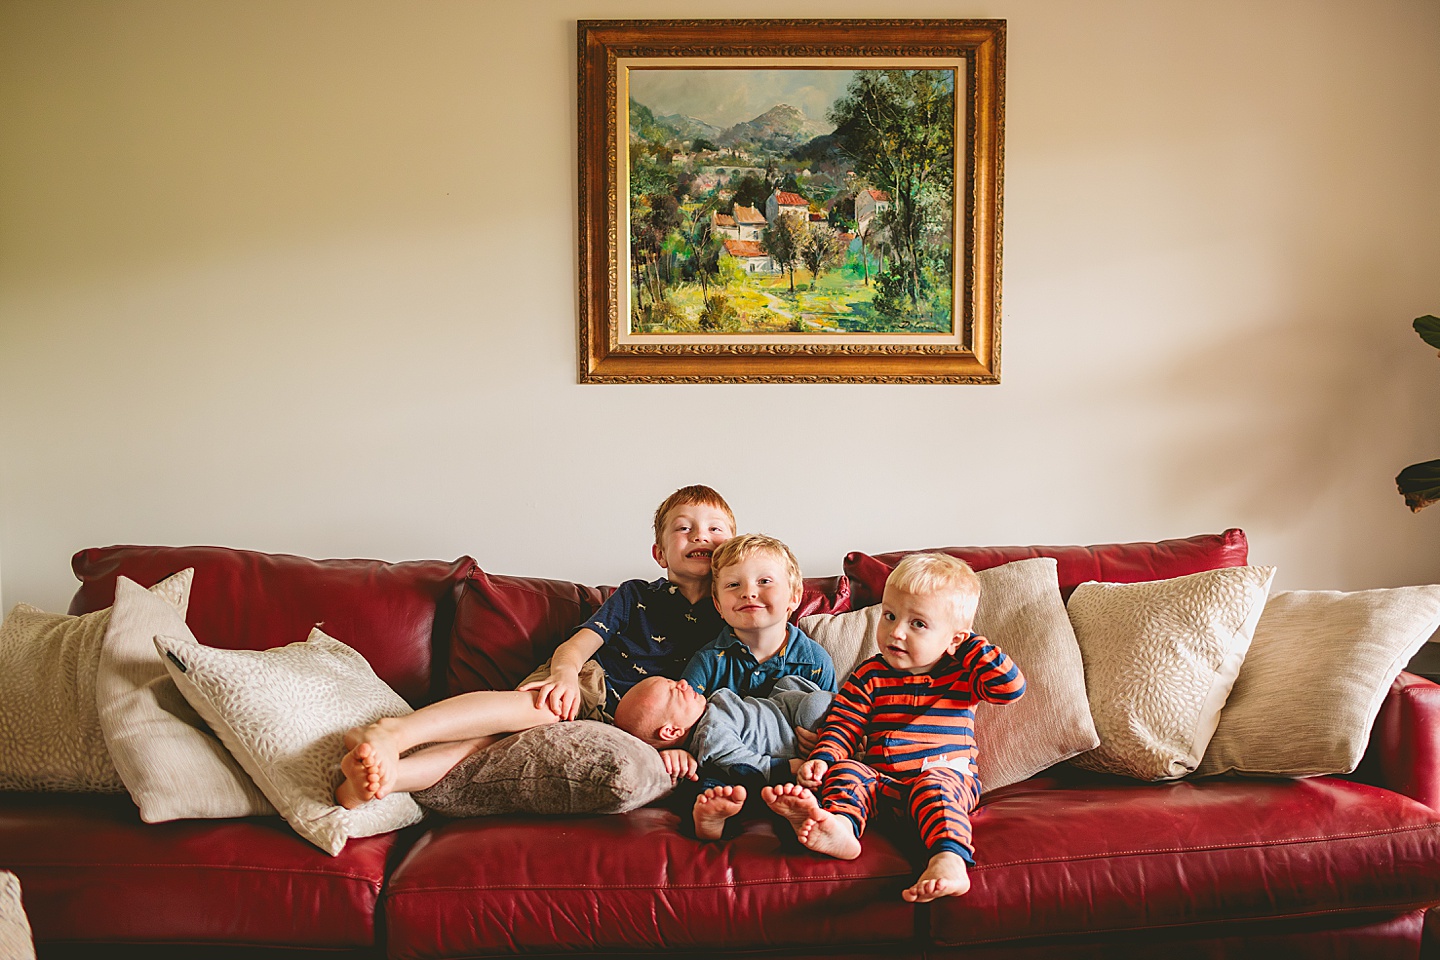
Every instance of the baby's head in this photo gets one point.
(660, 711)
(689, 525)
(928, 610)
(755, 578)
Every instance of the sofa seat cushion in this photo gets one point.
(398, 615)
(1091, 854)
(92, 872)
(633, 882)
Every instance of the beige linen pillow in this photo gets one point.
(170, 761)
(1021, 612)
(1315, 678)
(581, 766)
(1160, 659)
(50, 735)
(283, 714)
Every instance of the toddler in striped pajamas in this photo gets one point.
(901, 733)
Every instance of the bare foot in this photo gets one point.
(715, 806)
(371, 764)
(816, 829)
(945, 876)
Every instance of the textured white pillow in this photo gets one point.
(170, 761)
(1021, 612)
(283, 713)
(1160, 659)
(49, 725)
(1315, 678)
(16, 942)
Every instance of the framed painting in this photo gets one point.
(800, 201)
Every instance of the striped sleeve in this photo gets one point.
(844, 729)
(994, 675)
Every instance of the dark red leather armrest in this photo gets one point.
(1404, 753)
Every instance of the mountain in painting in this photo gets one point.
(781, 128)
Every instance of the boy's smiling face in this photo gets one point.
(755, 593)
(691, 533)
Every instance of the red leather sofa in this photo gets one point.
(1071, 864)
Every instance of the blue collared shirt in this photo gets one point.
(649, 628)
(727, 663)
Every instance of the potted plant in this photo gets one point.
(1419, 483)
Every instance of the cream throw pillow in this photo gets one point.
(283, 714)
(1160, 659)
(16, 942)
(1317, 673)
(50, 735)
(1021, 612)
(170, 761)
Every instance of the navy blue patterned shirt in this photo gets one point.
(648, 629)
(726, 663)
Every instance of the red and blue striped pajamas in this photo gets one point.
(914, 736)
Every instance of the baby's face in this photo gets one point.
(917, 630)
(657, 702)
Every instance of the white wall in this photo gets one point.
(299, 275)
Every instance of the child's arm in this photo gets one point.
(994, 676)
(560, 691)
(679, 763)
(845, 724)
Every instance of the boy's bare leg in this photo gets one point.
(372, 763)
(419, 769)
(816, 828)
(715, 806)
(945, 876)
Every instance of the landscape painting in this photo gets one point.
(800, 201)
(790, 201)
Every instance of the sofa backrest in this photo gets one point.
(398, 615)
(1106, 562)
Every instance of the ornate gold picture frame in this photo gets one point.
(812, 201)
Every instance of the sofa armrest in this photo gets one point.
(1404, 752)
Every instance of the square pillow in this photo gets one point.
(581, 766)
(1021, 612)
(170, 761)
(1314, 680)
(1160, 659)
(283, 714)
(50, 736)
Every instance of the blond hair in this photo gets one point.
(939, 573)
(694, 495)
(742, 548)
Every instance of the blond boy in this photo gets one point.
(900, 735)
(757, 585)
(644, 628)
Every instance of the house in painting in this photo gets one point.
(782, 202)
(749, 222)
(868, 203)
(724, 226)
(749, 255)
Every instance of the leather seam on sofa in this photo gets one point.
(409, 891)
(1199, 848)
(1406, 905)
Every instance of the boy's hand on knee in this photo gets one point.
(679, 764)
(559, 693)
(811, 773)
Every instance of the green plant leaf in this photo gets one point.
(1429, 329)
(1419, 484)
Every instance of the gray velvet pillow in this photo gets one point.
(582, 766)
